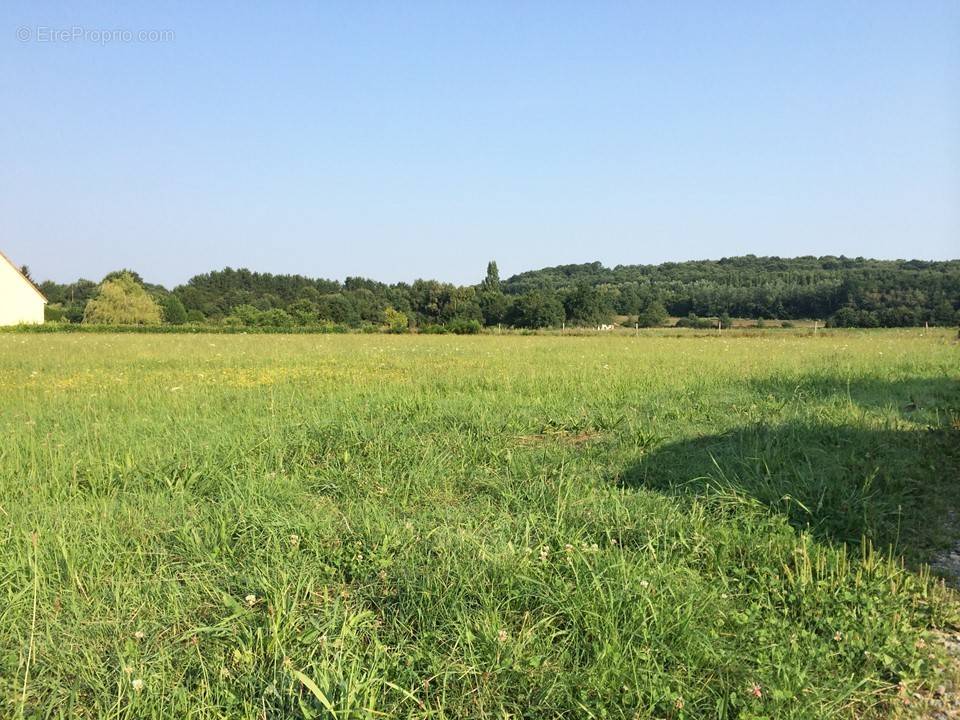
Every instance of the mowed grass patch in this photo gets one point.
(364, 526)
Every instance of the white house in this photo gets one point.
(20, 301)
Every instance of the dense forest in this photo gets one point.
(842, 291)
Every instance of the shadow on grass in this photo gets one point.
(898, 488)
(914, 398)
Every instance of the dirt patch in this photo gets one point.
(946, 563)
(943, 701)
(569, 438)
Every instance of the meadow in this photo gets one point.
(666, 526)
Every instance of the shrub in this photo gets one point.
(303, 312)
(464, 327)
(52, 313)
(692, 321)
(275, 318)
(396, 321)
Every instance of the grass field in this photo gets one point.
(399, 526)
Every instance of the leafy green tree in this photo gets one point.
(245, 315)
(338, 308)
(117, 274)
(397, 322)
(491, 283)
(122, 301)
(304, 312)
(586, 305)
(653, 315)
(944, 313)
(173, 310)
(276, 317)
(495, 306)
(877, 292)
(537, 309)
(459, 303)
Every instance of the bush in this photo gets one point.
(52, 313)
(275, 318)
(464, 327)
(692, 321)
(433, 329)
(397, 322)
(303, 312)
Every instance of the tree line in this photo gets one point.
(846, 292)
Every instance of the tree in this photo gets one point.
(122, 301)
(495, 306)
(653, 315)
(173, 310)
(537, 310)
(491, 283)
(338, 308)
(876, 292)
(397, 321)
(276, 317)
(586, 305)
(245, 315)
(304, 312)
(944, 313)
(459, 303)
(117, 274)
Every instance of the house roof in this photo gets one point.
(27, 280)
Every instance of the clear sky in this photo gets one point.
(398, 140)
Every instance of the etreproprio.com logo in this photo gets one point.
(94, 36)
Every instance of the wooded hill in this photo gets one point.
(845, 291)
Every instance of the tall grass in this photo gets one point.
(397, 526)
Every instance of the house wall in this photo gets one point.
(19, 303)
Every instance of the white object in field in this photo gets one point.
(20, 301)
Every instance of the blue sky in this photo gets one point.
(413, 139)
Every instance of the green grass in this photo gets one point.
(397, 526)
